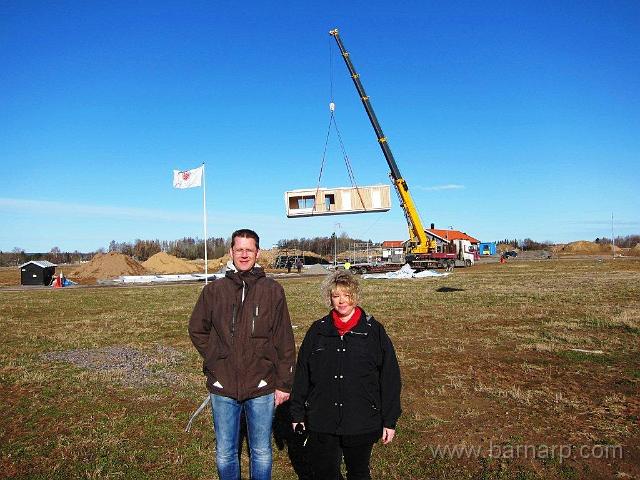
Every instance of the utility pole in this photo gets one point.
(613, 242)
(335, 244)
(335, 249)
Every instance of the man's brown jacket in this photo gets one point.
(241, 327)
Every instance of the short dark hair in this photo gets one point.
(245, 233)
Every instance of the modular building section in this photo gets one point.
(310, 202)
(39, 272)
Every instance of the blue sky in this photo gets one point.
(507, 119)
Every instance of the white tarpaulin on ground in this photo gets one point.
(191, 277)
(405, 272)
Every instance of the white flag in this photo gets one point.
(187, 178)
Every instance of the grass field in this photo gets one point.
(497, 359)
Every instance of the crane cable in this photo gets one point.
(352, 177)
(326, 141)
(324, 155)
(332, 120)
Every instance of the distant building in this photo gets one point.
(446, 237)
(487, 248)
(37, 272)
(392, 249)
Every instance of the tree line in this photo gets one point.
(187, 247)
(193, 248)
(323, 246)
(526, 244)
(628, 241)
(141, 250)
(18, 256)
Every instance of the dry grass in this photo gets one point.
(489, 361)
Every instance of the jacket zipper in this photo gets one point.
(236, 367)
(233, 323)
(256, 311)
(340, 372)
(358, 333)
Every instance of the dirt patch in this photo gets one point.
(584, 247)
(268, 257)
(217, 264)
(9, 276)
(162, 262)
(107, 265)
(129, 366)
(485, 357)
(505, 247)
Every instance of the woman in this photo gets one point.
(346, 391)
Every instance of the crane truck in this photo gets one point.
(420, 254)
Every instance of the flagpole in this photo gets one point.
(204, 209)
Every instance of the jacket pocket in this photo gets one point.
(217, 347)
(260, 327)
(319, 364)
(371, 394)
(311, 402)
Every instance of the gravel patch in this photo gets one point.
(127, 365)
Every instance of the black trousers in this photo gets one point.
(325, 452)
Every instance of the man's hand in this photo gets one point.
(387, 435)
(280, 397)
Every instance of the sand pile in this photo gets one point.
(108, 265)
(162, 262)
(582, 247)
(267, 259)
(585, 247)
(217, 262)
(505, 247)
(635, 251)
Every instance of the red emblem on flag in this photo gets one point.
(185, 175)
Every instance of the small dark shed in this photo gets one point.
(37, 272)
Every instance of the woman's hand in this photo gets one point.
(387, 435)
(280, 397)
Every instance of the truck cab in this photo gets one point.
(467, 254)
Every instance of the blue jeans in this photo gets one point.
(226, 421)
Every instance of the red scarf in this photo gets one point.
(344, 327)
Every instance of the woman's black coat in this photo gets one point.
(346, 385)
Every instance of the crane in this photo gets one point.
(418, 242)
(419, 253)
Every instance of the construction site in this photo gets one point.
(516, 363)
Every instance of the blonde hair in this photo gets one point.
(343, 279)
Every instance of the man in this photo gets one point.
(241, 327)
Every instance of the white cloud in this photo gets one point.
(46, 207)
